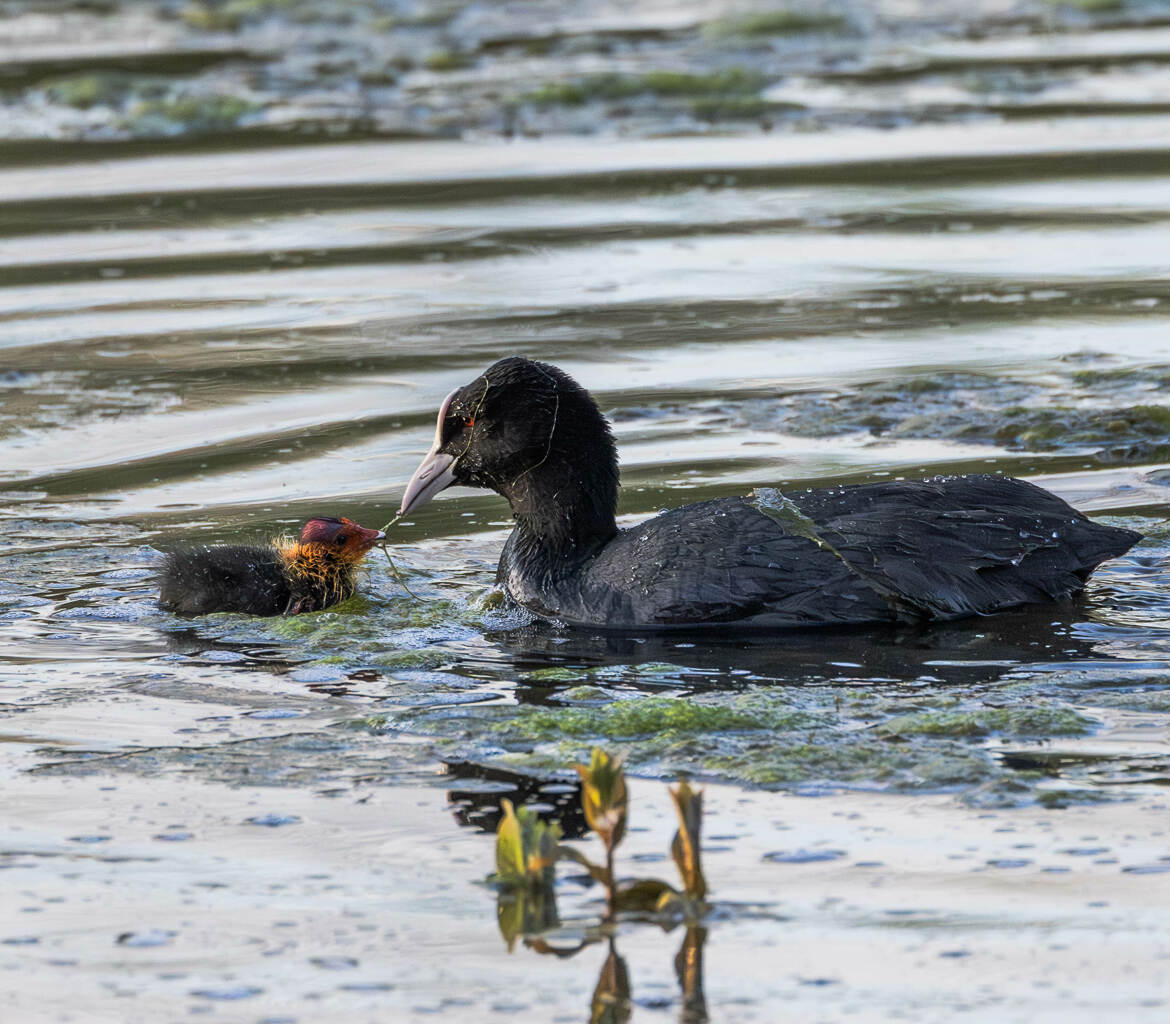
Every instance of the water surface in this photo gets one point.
(216, 342)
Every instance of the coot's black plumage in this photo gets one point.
(306, 575)
(895, 551)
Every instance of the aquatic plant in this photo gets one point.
(685, 846)
(605, 803)
(526, 857)
(528, 848)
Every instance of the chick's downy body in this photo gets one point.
(315, 571)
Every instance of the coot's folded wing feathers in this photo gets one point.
(957, 546)
(936, 549)
(722, 562)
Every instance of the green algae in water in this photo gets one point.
(312, 624)
(1019, 721)
(732, 82)
(1058, 426)
(1109, 406)
(188, 113)
(1091, 6)
(651, 670)
(585, 695)
(648, 716)
(1067, 796)
(853, 760)
(448, 60)
(1155, 701)
(557, 674)
(1127, 376)
(433, 612)
(228, 17)
(568, 94)
(775, 23)
(100, 89)
(772, 737)
(427, 658)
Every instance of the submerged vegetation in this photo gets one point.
(231, 15)
(101, 88)
(204, 114)
(810, 738)
(659, 717)
(726, 86)
(361, 68)
(777, 22)
(1110, 410)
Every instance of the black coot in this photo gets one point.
(311, 573)
(896, 551)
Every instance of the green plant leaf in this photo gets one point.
(603, 796)
(685, 847)
(643, 894)
(596, 871)
(509, 846)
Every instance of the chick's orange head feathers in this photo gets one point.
(343, 536)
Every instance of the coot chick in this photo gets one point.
(906, 550)
(305, 575)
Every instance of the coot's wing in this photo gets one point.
(719, 562)
(956, 546)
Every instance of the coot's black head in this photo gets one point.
(529, 432)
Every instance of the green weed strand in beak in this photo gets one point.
(393, 568)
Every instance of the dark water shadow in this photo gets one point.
(970, 652)
(476, 804)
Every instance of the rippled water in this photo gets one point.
(215, 345)
(736, 333)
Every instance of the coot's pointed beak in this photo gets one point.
(435, 472)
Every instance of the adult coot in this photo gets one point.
(308, 574)
(894, 551)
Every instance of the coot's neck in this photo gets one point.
(564, 504)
